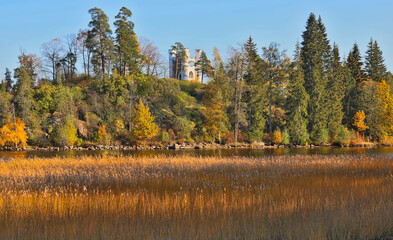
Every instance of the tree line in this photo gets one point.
(120, 94)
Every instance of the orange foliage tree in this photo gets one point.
(103, 136)
(13, 133)
(358, 121)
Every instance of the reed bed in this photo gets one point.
(278, 197)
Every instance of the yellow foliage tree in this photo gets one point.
(385, 101)
(358, 121)
(214, 113)
(277, 137)
(13, 133)
(143, 126)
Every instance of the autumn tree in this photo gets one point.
(102, 135)
(144, 127)
(100, 41)
(236, 70)
(358, 121)
(32, 65)
(275, 74)
(215, 119)
(127, 46)
(220, 77)
(13, 133)
(152, 63)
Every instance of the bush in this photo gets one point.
(277, 137)
(285, 137)
(343, 136)
(320, 136)
(266, 138)
(165, 137)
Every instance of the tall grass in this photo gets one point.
(281, 197)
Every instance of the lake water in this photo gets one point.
(383, 151)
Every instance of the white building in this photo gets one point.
(188, 71)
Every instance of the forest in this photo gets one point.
(104, 86)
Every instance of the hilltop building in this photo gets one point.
(188, 70)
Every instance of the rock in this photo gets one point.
(175, 146)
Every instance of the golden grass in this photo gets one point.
(281, 197)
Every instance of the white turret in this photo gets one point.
(188, 71)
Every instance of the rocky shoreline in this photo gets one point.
(177, 146)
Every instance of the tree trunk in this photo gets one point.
(270, 109)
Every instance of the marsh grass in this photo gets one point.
(280, 197)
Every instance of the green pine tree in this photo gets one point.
(374, 62)
(335, 95)
(203, 65)
(8, 80)
(316, 57)
(100, 41)
(180, 60)
(255, 95)
(127, 46)
(297, 102)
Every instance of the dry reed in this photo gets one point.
(281, 197)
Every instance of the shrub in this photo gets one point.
(285, 137)
(320, 136)
(277, 137)
(266, 138)
(165, 138)
(343, 136)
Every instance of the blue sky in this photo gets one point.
(199, 24)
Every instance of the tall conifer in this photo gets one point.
(297, 102)
(316, 56)
(127, 46)
(374, 62)
(335, 92)
(100, 41)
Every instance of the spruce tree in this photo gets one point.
(23, 99)
(255, 95)
(316, 57)
(355, 78)
(374, 62)
(335, 92)
(100, 41)
(127, 46)
(5, 109)
(8, 80)
(297, 102)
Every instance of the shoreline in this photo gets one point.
(187, 146)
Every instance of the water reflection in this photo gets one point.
(386, 151)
